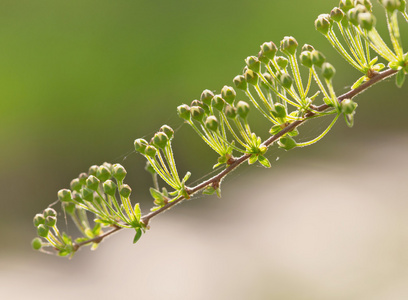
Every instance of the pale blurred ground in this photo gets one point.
(314, 230)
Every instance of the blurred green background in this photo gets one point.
(80, 80)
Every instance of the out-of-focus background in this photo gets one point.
(80, 80)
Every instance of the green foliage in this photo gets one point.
(285, 85)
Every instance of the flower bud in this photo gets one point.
(49, 212)
(140, 145)
(64, 195)
(307, 47)
(50, 221)
(82, 178)
(279, 111)
(253, 64)
(240, 82)
(230, 112)
(103, 173)
(242, 109)
(228, 94)
(323, 24)
(287, 143)
(119, 172)
(285, 80)
(38, 220)
(251, 77)
(42, 230)
(87, 194)
(211, 123)
(167, 130)
(149, 168)
(345, 5)
(288, 45)
(218, 103)
(92, 183)
(391, 5)
(75, 185)
(402, 6)
(69, 208)
(184, 111)
(109, 188)
(348, 106)
(206, 97)
(151, 151)
(366, 20)
(197, 113)
(336, 14)
(306, 59)
(160, 140)
(268, 49)
(36, 243)
(318, 58)
(125, 191)
(328, 71)
(77, 196)
(281, 61)
(92, 170)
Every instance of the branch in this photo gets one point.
(215, 181)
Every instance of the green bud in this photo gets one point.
(253, 64)
(328, 71)
(366, 3)
(391, 5)
(109, 188)
(242, 109)
(251, 77)
(206, 97)
(268, 50)
(38, 220)
(92, 183)
(268, 77)
(345, 5)
(167, 130)
(140, 145)
(184, 111)
(323, 24)
(318, 58)
(103, 173)
(42, 230)
(92, 170)
(240, 82)
(50, 221)
(77, 197)
(149, 168)
(82, 178)
(279, 111)
(336, 14)
(306, 59)
(49, 212)
(402, 6)
(352, 16)
(151, 151)
(285, 80)
(64, 195)
(287, 143)
(366, 20)
(288, 45)
(348, 106)
(211, 123)
(119, 172)
(87, 194)
(107, 165)
(160, 140)
(218, 103)
(36, 243)
(197, 113)
(281, 61)
(125, 191)
(69, 208)
(228, 94)
(75, 185)
(230, 112)
(307, 47)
